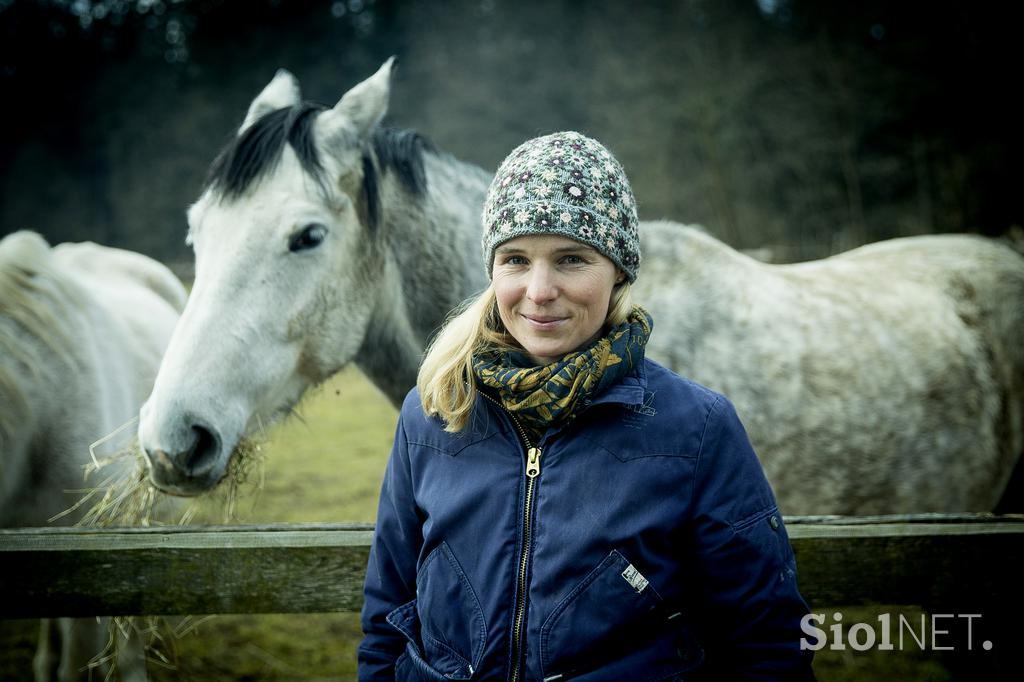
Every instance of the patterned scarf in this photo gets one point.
(541, 397)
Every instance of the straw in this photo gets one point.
(125, 496)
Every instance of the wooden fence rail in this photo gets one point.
(936, 561)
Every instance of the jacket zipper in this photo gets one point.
(532, 472)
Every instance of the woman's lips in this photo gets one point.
(543, 322)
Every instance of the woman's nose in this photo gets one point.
(541, 288)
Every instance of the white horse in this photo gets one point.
(887, 379)
(82, 331)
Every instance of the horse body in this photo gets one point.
(886, 379)
(82, 331)
(882, 380)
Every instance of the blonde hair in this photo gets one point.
(445, 379)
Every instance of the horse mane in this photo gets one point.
(255, 153)
(33, 298)
(401, 151)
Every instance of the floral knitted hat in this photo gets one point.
(565, 184)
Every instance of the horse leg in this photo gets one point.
(84, 643)
(44, 663)
(131, 655)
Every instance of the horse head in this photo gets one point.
(284, 232)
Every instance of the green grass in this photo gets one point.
(327, 466)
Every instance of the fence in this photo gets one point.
(939, 562)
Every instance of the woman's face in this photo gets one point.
(553, 293)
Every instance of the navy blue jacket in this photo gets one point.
(642, 542)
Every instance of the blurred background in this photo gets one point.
(809, 127)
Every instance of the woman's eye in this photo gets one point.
(309, 237)
(573, 260)
(515, 260)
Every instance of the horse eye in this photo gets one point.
(308, 237)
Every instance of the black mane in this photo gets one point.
(401, 151)
(256, 152)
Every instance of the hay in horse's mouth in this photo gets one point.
(127, 496)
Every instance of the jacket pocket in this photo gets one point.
(444, 625)
(413, 665)
(615, 620)
(764, 533)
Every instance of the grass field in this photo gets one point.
(327, 467)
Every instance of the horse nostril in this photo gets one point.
(203, 454)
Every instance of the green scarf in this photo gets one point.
(540, 397)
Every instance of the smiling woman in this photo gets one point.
(553, 293)
(556, 505)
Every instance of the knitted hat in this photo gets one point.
(565, 184)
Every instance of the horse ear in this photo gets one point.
(282, 91)
(362, 107)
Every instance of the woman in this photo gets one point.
(557, 506)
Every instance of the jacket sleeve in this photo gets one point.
(391, 571)
(751, 605)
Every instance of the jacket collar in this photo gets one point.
(630, 390)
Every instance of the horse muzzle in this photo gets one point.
(193, 469)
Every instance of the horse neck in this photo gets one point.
(42, 365)
(36, 303)
(431, 264)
